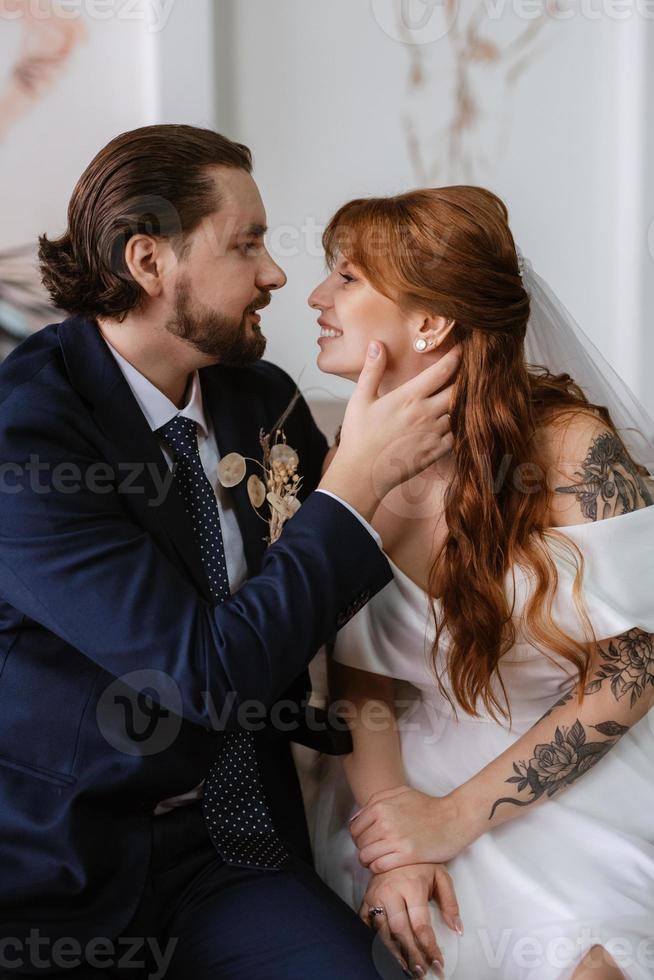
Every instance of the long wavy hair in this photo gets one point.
(450, 251)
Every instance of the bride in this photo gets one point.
(498, 688)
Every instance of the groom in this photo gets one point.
(153, 653)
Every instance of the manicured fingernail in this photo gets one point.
(373, 349)
(458, 925)
(438, 968)
(418, 971)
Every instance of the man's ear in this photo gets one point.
(435, 330)
(148, 260)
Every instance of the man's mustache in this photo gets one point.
(259, 304)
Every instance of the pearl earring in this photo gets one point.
(420, 344)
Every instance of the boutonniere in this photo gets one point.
(280, 482)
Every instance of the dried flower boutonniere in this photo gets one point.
(281, 481)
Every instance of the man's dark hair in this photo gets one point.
(154, 180)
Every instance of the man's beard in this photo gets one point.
(225, 340)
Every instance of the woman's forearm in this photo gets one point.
(569, 740)
(376, 762)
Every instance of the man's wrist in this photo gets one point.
(355, 488)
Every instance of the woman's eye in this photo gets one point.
(346, 277)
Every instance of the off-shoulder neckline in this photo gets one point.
(564, 530)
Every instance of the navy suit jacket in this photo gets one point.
(107, 625)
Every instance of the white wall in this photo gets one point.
(154, 64)
(319, 91)
(645, 228)
(99, 96)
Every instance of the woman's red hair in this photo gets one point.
(450, 251)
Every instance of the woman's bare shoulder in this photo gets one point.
(590, 474)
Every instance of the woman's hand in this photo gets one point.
(402, 826)
(405, 927)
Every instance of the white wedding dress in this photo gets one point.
(538, 892)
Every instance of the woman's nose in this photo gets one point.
(317, 299)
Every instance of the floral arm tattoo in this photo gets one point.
(609, 483)
(620, 694)
(571, 738)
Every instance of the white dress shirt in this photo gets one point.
(159, 409)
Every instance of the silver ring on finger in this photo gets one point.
(375, 911)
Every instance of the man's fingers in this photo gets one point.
(438, 443)
(440, 404)
(373, 370)
(442, 425)
(446, 446)
(435, 377)
(447, 900)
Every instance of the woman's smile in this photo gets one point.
(327, 332)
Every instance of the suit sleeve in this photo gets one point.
(77, 564)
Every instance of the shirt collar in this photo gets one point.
(157, 407)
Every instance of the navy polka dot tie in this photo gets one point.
(234, 802)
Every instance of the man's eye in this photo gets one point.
(251, 248)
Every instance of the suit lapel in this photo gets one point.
(237, 415)
(131, 445)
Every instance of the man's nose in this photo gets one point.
(272, 276)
